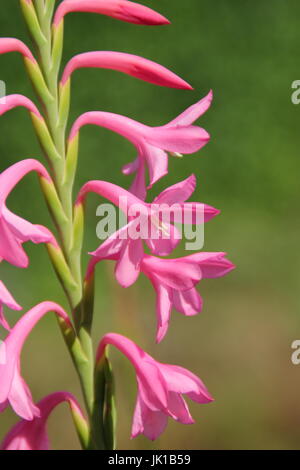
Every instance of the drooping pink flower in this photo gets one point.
(175, 280)
(14, 231)
(130, 64)
(15, 45)
(160, 388)
(32, 435)
(152, 143)
(6, 299)
(118, 9)
(153, 224)
(13, 389)
(13, 101)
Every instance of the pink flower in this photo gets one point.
(13, 101)
(175, 280)
(13, 388)
(154, 224)
(152, 144)
(119, 9)
(32, 435)
(6, 299)
(15, 45)
(130, 64)
(160, 389)
(14, 231)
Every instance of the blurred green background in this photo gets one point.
(248, 53)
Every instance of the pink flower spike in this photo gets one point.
(15, 45)
(32, 435)
(10, 102)
(153, 220)
(13, 389)
(130, 64)
(6, 299)
(14, 231)
(119, 9)
(160, 389)
(152, 144)
(175, 280)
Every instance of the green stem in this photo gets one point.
(70, 231)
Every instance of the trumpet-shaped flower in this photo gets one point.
(32, 435)
(160, 388)
(14, 231)
(119, 9)
(6, 299)
(153, 224)
(152, 143)
(130, 64)
(13, 389)
(175, 280)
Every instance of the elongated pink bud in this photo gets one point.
(118, 9)
(133, 65)
(13, 101)
(10, 177)
(15, 45)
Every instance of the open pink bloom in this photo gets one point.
(13, 101)
(13, 389)
(14, 231)
(160, 389)
(32, 435)
(130, 64)
(118, 9)
(152, 143)
(15, 45)
(175, 280)
(153, 224)
(6, 299)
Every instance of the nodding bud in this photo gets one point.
(15, 45)
(13, 101)
(123, 10)
(130, 64)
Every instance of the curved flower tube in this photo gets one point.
(13, 101)
(160, 388)
(13, 389)
(15, 45)
(14, 231)
(119, 9)
(130, 64)
(152, 143)
(174, 281)
(6, 299)
(153, 224)
(32, 435)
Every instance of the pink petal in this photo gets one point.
(181, 380)
(212, 265)
(145, 421)
(189, 116)
(128, 266)
(20, 398)
(184, 140)
(188, 302)
(119, 9)
(179, 409)
(133, 65)
(177, 193)
(163, 241)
